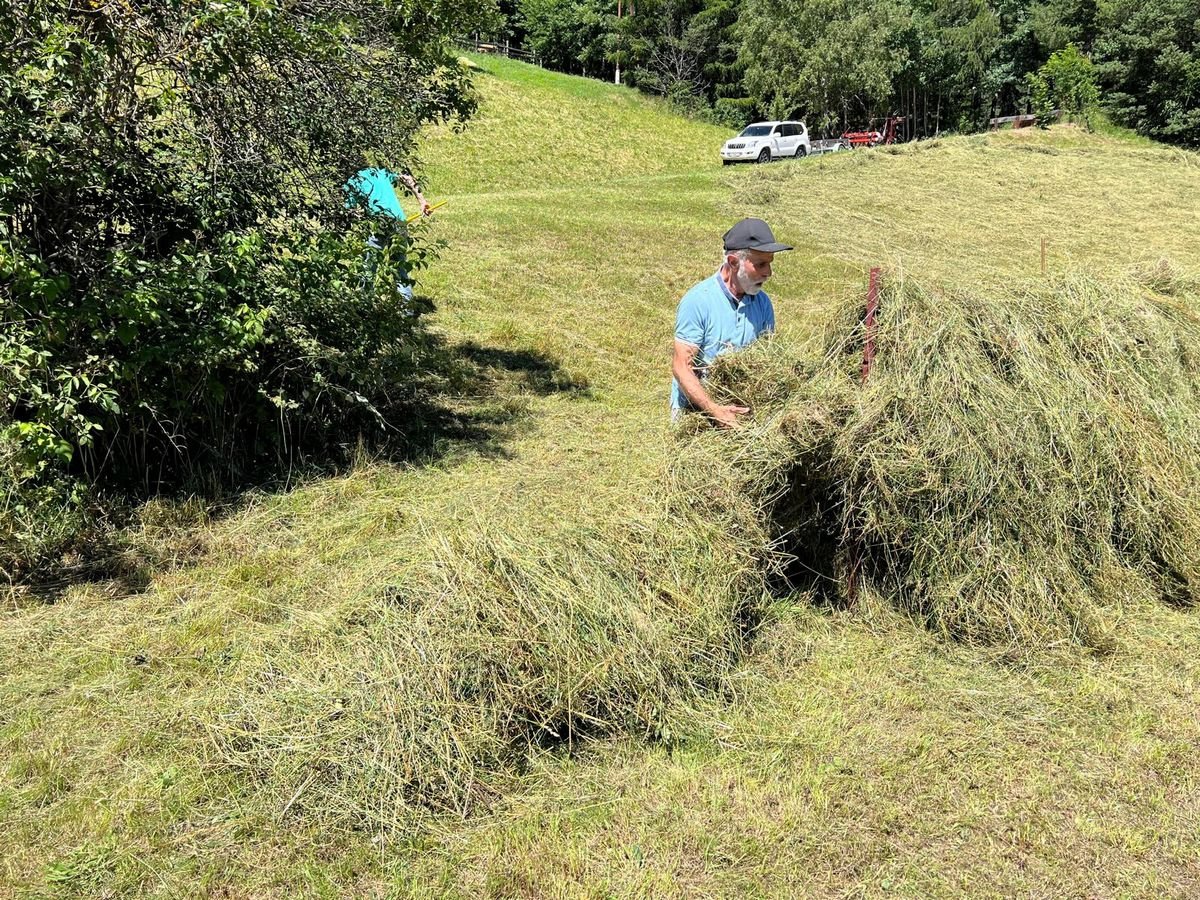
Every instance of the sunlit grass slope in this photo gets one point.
(541, 130)
(846, 757)
(975, 210)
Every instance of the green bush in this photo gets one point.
(181, 285)
(735, 112)
(1067, 82)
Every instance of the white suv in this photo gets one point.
(764, 141)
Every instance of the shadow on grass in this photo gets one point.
(111, 562)
(464, 400)
(475, 399)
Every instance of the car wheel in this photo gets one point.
(727, 162)
(801, 151)
(764, 155)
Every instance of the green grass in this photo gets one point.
(855, 757)
(872, 762)
(538, 130)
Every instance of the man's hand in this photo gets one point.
(727, 416)
(425, 208)
(689, 383)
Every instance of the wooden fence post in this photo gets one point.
(870, 327)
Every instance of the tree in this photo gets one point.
(714, 25)
(1148, 60)
(669, 48)
(179, 278)
(952, 78)
(834, 61)
(568, 35)
(1067, 82)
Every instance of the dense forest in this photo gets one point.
(948, 65)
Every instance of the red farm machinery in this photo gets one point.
(887, 134)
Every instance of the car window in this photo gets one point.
(778, 130)
(789, 130)
(756, 131)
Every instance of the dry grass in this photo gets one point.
(981, 507)
(972, 211)
(1016, 465)
(430, 695)
(867, 761)
(129, 722)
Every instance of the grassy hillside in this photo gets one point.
(539, 130)
(848, 756)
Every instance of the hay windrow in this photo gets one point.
(1013, 470)
(442, 686)
(1014, 467)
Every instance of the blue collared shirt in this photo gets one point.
(713, 320)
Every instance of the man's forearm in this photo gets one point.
(411, 184)
(692, 389)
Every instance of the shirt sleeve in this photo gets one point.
(353, 190)
(690, 322)
(769, 318)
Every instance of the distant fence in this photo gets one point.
(501, 47)
(1024, 120)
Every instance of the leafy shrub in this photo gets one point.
(1067, 82)
(734, 112)
(181, 286)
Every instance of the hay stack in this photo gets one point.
(439, 687)
(1014, 467)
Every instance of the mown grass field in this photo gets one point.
(849, 757)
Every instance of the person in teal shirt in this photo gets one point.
(374, 191)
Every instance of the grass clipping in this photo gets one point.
(1013, 469)
(432, 695)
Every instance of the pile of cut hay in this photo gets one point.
(436, 691)
(1013, 468)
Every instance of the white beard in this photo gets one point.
(747, 285)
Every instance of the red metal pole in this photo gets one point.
(870, 327)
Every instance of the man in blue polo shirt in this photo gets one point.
(723, 312)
